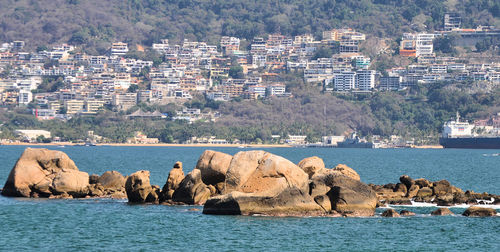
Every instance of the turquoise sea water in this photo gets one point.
(114, 225)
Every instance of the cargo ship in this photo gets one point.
(457, 134)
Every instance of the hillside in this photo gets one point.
(95, 23)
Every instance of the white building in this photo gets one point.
(344, 81)
(365, 80)
(119, 48)
(424, 44)
(25, 97)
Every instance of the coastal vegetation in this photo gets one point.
(95, 24)
(413, 113)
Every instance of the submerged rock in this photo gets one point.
(442, 212)
(475, 211)
(406, 213)
(390, 213)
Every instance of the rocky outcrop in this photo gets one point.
(258, 182)
(139, 189)
(439, 192)
(346, 171)
(42, 173)
(442, 212)
(213, 166)
(192, 190)
(475, 211)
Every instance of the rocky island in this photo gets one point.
(248, 183)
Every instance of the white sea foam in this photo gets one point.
(425, 204)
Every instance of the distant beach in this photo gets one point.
(157, 145)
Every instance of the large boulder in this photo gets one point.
(72, 182)
(213, 166)
(192, 190)
(273, 175)
(347, 196)
(174, 179)
(475, 211)
(289, 202)
(312, 165)
(258, 182)
(35, 171)
(112, 180)
(442, 187)
(241, 167)
(139, 189)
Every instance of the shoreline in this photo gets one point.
(154, 145)
(188, 145)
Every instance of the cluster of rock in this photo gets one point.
(473, 211)
(258, 182)
(49, 173)
(248, 183)
(440, 192)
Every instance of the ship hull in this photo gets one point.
(355, 145)
(471, 142)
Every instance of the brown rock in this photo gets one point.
(442, 212)
(175, 177)
(475, 211)
(407, 181)
(258, 182)
(311, 165)
(138, 187)
(289, 202)
(192, 190)
(424, 192)
(72, 182)
(352, 197)
(347, 171)
(242, 165)
(34, 172)
(213, 166)
(413, 191)
(441, 187)
(390, 213)
(93, 179)
(400, 187)
(112, 180)
(406, 213)
(421, 182)
(324, 202)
